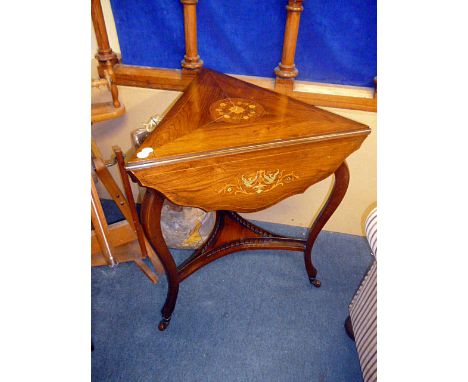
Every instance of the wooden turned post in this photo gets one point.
(191, 59)
(105, 56)
(286, 70)
(109, 74)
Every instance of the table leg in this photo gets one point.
(338, 192)
(151, 222)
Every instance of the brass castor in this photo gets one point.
(315, 282)
(164, 323)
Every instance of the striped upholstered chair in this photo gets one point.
(361, 324)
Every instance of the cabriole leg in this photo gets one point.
(151, 222)
(338, 192)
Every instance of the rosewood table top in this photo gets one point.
(228, 144)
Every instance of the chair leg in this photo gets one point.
(123, 204)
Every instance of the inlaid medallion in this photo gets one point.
(258, 182)
(236, 110)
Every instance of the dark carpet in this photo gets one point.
(250, 316)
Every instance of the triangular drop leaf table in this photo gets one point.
(230, 146)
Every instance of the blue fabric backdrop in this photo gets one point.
(337, 38)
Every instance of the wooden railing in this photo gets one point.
(173, 79)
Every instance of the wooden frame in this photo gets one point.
(172, 79)
(105, 56)
(178, 80)
(123, 241)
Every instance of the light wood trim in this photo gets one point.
(135, 223)
(101, 230)
(154, 78)
(132, 206)
(111, 186)
(130, 200)
(333, 89)
(337, 101)
(173, 79)
(104, 111)
(122, 236)
(120, 233)
(125, 248)
(124, 253)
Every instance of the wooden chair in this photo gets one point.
(125, 240)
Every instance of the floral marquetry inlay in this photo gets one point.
(236, 110)
(259, 182)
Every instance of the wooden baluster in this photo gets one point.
(109, 74)
(191, 61)
(286, 70)
(106, 57)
